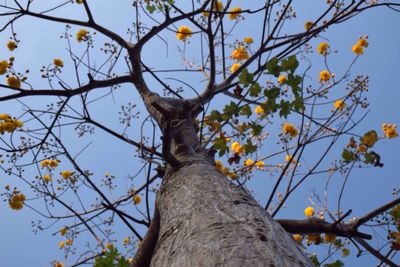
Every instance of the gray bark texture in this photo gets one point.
(205, 220)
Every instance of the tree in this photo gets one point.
(235, 88)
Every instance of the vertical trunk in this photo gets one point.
(207, 221)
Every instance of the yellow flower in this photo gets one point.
(236, 148)
(13, 81)
(308, 25)
(79, 1)
(126, 241)
(339, 104)
(282, 79)
(218, 165)
(69, 242)
(137, 199)
(289, 128)
(53, 163)
(259, 110)
(323, 48)
(298, 238)
(233, 175)
(16, 202)
(234, 67)
(66, 174)
(235, 13)
(358, 49)
(46, 178)
(225, 171)
(240, 53)
(390, 130)
(329, 238)
(362, 42)
(248, 40)
(58, 264)
(61, 244)
(314, 238)
(58, 62)
(309, 211)
(183, 33)
(369, 139)
(82, 35)
(109, 246)
(3, 67)
(63, 231)
(5, 116)
(248, 162)
(218, 6)
(324, 76)
(260, 164)
(11, 45)
(290, 158)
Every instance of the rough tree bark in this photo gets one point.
(202, 219)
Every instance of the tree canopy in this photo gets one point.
(99, 99)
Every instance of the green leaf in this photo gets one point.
(255, 89)
(246, 111)
(221, 146)
(256, 128)
(246, 78)
(294, 82)
(313, 258)
(290, 63)
(348, 156)
(285, 109)
(272, 93)
(298, 104)
(337, 263)
(230, 110)
(249, 147)
(151, 8)
(215, 115)
(272, 67)
(395, 212)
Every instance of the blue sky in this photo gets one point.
(367, 188)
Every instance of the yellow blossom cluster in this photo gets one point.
(224, 170)
(248, 40)
(126, 241)
(324, 76)
(390, 130)
(298, 238)
(308, 24)
(11, 45)
(290, 129)
(259, 110)
(16, 202)
(282, 79)
(14, 82)
(235, 67)
(3, 66)
(49, 163)
(82, 35)
(66, 174)
(183, 32)
(339, 104)
(314, 238)
(58, 62)
(46, 178)
(237, 148)
(137, 199)
(58, 264)
(9, 124)
(289, 158)
(362, 43)
(79, 1)
(234, 13)
(322, 48)
(240, 53)
(63, 231)
(309, 211)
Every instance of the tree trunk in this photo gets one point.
(207, 221)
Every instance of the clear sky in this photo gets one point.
(40, 43)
